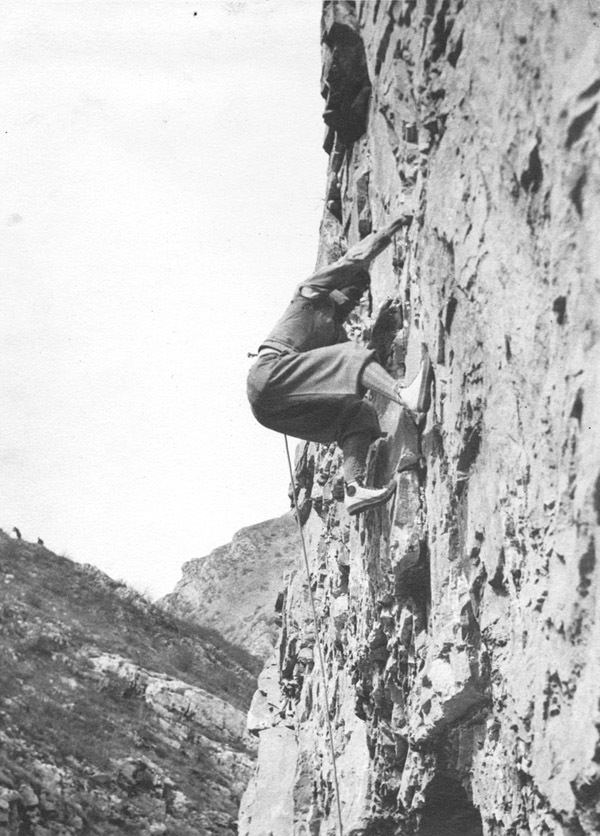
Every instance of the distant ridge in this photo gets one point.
(234, 589)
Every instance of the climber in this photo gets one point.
(309, 380)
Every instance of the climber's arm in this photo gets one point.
(355, 261)
(369, 248)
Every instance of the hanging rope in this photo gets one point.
(318, 644)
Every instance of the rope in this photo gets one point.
(318, 644)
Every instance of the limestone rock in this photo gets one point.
(179, 705)
(235, 588)
(268, 802)
(459, 625)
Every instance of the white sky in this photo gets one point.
(162, 189)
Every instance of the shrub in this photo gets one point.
(182, 656)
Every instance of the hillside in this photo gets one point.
(114, 716)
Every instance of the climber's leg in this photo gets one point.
(318, 396)
(315, 394)
(355, 448)
(416, 396)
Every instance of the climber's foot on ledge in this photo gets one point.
(417, 395)
(359, 499)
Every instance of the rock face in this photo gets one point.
(460, 625)
(115, 717)
(235, 588)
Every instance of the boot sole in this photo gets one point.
(373, 503)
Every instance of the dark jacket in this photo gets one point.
(314, 317)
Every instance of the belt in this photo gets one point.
(267, 351)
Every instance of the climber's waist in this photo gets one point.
(275, 347)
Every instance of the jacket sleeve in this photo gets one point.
(353, 266)
(341, 273)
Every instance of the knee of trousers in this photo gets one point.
(257, 385)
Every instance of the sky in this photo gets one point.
(163, 181)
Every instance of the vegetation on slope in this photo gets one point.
(94, 753)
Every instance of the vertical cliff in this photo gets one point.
(459, 624)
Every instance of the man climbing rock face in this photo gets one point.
(309, 380)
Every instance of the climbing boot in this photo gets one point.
(417, 395)
(359, 499)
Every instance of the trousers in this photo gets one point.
(315, 395)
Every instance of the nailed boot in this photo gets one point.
(417, 395)
(359, 499)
